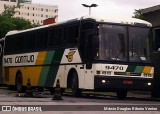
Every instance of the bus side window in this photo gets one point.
(58, 36)
(9, 45)
(51, 37)
(72, 34)
(30, 41)
(19, 43)
(41, 39)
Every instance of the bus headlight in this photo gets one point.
(149, 84)
(103, 81)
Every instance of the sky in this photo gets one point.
(70, 9)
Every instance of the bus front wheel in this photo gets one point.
(121, 94)
(76, 92)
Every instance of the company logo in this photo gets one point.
(128, 73)
(6, 108)
(70, 56)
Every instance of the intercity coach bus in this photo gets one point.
(87, 53)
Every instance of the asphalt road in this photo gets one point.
(87, 104)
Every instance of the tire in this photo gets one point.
(121, 94)
(76, 92)
(11, 87)
(62, 91)
(40, 89)
(19, 83)
(51, 90)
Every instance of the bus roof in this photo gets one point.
(120, 20)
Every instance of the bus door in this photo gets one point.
(1, 59)
(89, 59)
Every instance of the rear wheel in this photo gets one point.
(40, 89)
(51, 90)
(11, 87)
(121, 94)
(76, 92)
(19, 83)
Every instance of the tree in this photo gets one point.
(8, 22)
(138, 14)
(9, 11)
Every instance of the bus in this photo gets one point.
(87, 53)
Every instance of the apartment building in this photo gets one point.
(35, 13)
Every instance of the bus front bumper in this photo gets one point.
(105, 83)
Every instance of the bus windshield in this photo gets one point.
(114, 39)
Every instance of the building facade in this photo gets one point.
(152, 14)
(35, 13)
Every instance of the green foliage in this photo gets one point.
(138, 14)
(9, 23)
(9, 11)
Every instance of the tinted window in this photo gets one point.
(87, 25)
(138, 44)
(30, 41)
(51, 38)
(112, 42)
(19, 43)
(41, 39)
(9, 44)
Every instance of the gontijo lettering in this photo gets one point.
(20, 59)
(24, 59)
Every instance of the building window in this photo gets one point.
(28, 14)
(46, 10)
(46, 16)
(41, 15)
(28, 7)
(33, 8)
(33, 14)
(41, 9)
(11, 0)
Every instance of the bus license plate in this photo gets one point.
(128, 82)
